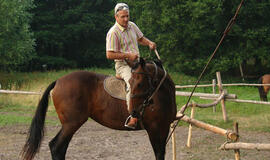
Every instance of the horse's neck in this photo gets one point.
(156, 71)
(160, 73)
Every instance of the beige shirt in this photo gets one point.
(124, 40)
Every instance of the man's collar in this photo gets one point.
(122, 28)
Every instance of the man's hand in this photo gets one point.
(132, 56)
(152, 45)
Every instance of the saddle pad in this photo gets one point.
(115, 87)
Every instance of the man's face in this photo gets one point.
(122, 18)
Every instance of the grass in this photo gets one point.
(19, 109)
(13, 114)
(251, 117)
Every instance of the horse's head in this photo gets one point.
(141, 85)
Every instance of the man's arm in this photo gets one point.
(146, 42)
(118, 55)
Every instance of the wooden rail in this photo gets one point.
(227, 133)
(240, 100)
(242, 145)
(211, 85)
(210, 95)
(19, 92)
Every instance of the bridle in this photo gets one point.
(151, 91)
(150, 82)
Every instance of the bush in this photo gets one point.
(48, 63)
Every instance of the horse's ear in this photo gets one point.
(142, 62)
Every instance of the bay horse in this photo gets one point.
(263, 90)
(81, 94)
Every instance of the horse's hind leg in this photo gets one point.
(266, 90)
(59, 144)
(265, 97)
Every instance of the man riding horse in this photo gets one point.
(122, 44)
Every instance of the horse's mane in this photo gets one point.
(157, 62)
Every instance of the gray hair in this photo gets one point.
(120, 7)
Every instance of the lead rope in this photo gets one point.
(229, 26)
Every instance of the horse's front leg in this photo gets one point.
(158, 137)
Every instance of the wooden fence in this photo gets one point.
(233, 136)
(236, 145)
(218, 98)
(213, 96)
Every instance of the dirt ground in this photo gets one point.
(95, 142)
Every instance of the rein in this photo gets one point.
(151, 91)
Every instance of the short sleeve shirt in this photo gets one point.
(124, 40)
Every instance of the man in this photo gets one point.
(122, 43)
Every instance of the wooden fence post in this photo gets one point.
(214, 91)
(222, 101)
(190, 126)
(173, 144)
(236, 151)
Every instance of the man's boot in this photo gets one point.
(132, 123)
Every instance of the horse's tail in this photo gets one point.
(261, 90)
(36, 130)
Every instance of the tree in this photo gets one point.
(16, 39)
(187, 32)
(72, 30)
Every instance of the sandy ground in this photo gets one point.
(95, 142)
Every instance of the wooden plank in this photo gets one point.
(240, 101)
(227, 96)
(222, 102)
(193, 104)
(191, 86)
(19, 92)
(227, 133)
(225, 85)
(248, 101)
(214, 91)
(190, 128)
(242, 145)
(236, 151)
(173, 144)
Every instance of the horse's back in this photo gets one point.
(71, 93)
(76, 82)
(82, 76)
(266, 78)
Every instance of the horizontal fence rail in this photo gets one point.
(242, 145)
(210, 95)
(19, 92)
(211, 85)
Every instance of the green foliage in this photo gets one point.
(187, 32)
(16, 38)
(50, 63)
(71, 29)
